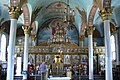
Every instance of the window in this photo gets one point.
(3, 48)
(113, 47)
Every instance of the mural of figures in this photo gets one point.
(48, 29)
(58, 26)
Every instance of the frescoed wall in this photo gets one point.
(47, 30)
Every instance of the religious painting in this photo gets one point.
(84, 59)
(31, 59)
(48, 29)
(75, 59)
(67, 59)
(47, 59)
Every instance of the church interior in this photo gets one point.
(59, 40)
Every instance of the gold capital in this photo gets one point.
(26, 29)
(106, 13)
(90, 30)
(82, 37)
(14, 12)
(33, 37)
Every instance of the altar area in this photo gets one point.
(62, 57)
(59, 63)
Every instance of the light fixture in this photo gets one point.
(14, 3)
(69, 14)
(59, 39)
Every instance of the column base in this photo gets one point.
(18, 75)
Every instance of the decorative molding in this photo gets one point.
(44, 50)
(92, 14)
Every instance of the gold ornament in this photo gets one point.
(106, 13)
(14, 12)
(33, 37)
(90, 30)
(26, 29)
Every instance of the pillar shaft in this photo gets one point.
(11, 49)
(19, 63)
(14, 12)
(33, 40)
(108, 53)
(106, 14)
(26, 44)
(0, 46)
(90, 49)
(25, 63)
(90, 46)
(81, 42)
(116, 48)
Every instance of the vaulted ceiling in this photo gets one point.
(86, 11)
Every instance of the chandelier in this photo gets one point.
(69, 14)
(59, 39)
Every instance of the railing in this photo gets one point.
(67, 50)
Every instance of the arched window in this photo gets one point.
(3, 48)
(113, 47)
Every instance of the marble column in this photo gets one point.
(19, 63)
(116, 48)
(26, 44)
(81, 42)
(119, 43)
(14, 14)
(33, 40)
(0, 44)
(90, 49)
(105, 14)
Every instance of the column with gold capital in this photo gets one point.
(0, 42)
(115, 33)
(27, 30)
(33, 39)
(105, 14)
(14, 12)
(81, 40)
(90, 49)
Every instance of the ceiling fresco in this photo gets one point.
(48, 29)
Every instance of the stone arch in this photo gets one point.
(27, 14)
(92, 14)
